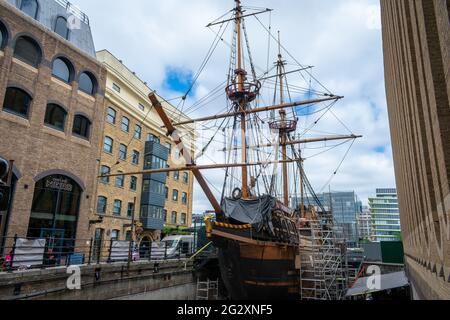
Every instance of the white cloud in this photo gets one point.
(341, 38)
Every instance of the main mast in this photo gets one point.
(242, 103)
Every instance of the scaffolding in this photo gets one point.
(323, 260)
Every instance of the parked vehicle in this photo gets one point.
(172, 247)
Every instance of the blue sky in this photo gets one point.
(166, 41)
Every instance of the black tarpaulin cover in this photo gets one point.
(256, 212)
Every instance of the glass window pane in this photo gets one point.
(81, 126)
(85, 84)
(17, 101)
(61, 27)
(28, 51)
(108, 145)
(30, 7)
(104, 171)
(55, 116)
(125, 124)
(111, 117)
(61, 70)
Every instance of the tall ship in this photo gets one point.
(275, 239)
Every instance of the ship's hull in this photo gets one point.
(256, 270)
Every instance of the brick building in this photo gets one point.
(134, 139)
(416, 38)
(51, 118)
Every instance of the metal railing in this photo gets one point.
(74, 10)
(21, 253)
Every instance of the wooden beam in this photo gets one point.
(257, 110)
(171, 131)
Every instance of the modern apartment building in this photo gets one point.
(416, 40)
(134, 140)
(385, 215)
(51, 118)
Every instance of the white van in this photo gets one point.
(173, 247)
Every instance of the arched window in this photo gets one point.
(101, 205)
(55, 116)
(63, 70)
(3, 36)
(30, 7)
(86, 83)
(111, 116)
(55, 210)
(81, 126)
(27, 50)
(61, 27)
(17, 101)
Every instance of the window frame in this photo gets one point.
(108, 115)
(50, 125)
(137, 132)
(119, 202)
(125, 122)
(67, 28)
(26, 95)
(111, 145)
(88, 129)
(120, 180)
(104, 207)
(175, 195)
(36, 12)
(105, 180)
(33, 43)
(133, 181)
(69, 67)
(136, 158)
(123, 152)
(93, 82)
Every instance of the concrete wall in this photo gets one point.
(146, 281)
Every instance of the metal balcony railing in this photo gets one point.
(74, 10)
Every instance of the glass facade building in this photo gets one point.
(385, 215)
(345, 207)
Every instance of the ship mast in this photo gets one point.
(283, 133)
(242, 103)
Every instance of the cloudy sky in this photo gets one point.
(164, 42)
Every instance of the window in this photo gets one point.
(101, 205)
(173, 219)
(3, 36)
(153, 138)
(62, 70)
(130, 210)
(165, 215)
(55, 116)
(105, 170)
(152, 212)
(176, 175)
(123, 152)
(128, 236)
(117, 207)
(115, 235)
(28, 51)
(30, 7)
(138, 132)
(120, 181)
(169, 146)
(133, 183)
(86, 83)
(125, 124)
(186, 178)
(136, 156)
(116, 87)
(81, 126)
(141, 107)
(183, 220)
(111, 116)
(17, 101)
(175, 195)
(166, 192)
(153, 187)
(61, 27)
(184, 198)
(153, 162)
(108, 144)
